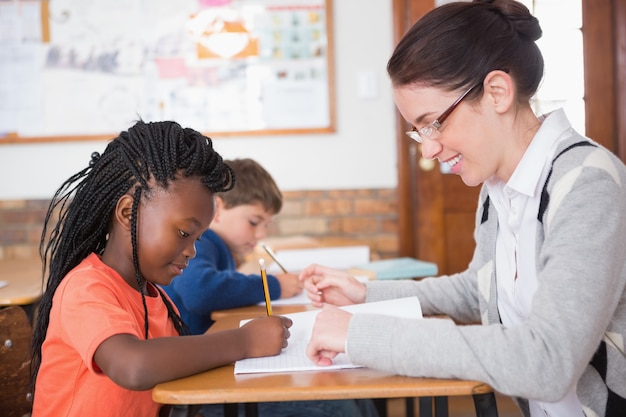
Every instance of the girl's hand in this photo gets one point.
(332, 286)
(266, 336)
(329, 335)
(290, 285)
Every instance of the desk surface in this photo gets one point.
(221, 385)
(259, 310)
(24, 281)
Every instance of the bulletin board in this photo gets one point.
(88, 69)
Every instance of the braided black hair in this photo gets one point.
(148, 153)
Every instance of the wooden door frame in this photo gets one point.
(405, 12)
(619, 25)
(604, 42)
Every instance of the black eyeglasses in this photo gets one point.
(431, 130)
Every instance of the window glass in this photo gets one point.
(562, 48)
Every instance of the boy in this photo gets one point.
(211, 281)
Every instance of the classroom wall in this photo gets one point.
(330, 217)
(339, 188)
(359, 155)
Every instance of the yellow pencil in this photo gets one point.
(273, 256)
(266, 290)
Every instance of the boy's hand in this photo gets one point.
(290, 285)
(266, 336)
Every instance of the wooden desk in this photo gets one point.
(25, 284)
(259, 310)
(222, 386)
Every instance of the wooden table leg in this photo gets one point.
(485, 405)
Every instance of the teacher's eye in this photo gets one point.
(183, 233)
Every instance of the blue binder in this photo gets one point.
(400, 268)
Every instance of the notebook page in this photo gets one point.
(293, 357)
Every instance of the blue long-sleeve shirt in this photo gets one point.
(211, 282)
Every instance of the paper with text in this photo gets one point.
(293, 357)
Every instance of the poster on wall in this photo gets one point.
(85, 69)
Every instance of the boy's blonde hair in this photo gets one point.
(253, 184)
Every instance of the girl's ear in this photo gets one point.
(124, 211)
(499, 90)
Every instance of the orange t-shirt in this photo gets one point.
(92, 303)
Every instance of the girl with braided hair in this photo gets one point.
(543, 301)
(105, 333)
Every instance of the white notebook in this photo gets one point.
(293, 357)
(339, 257)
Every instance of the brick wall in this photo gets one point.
(333, 217)
(20, 227)
(343, 217)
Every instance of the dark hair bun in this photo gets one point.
(518, 15)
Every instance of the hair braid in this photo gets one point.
(133, 237)
(179, 324)
(147, 155)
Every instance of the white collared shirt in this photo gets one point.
(517, 205)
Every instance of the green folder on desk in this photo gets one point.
(398, 268)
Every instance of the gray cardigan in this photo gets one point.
(576, 332)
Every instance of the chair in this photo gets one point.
(15, 337)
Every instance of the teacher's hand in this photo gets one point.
(332, 286)
(329, 335)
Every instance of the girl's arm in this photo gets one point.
(138, 364)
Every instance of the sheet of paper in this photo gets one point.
(293, 357)
(340, 257)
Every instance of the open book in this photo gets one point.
(293, 357)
